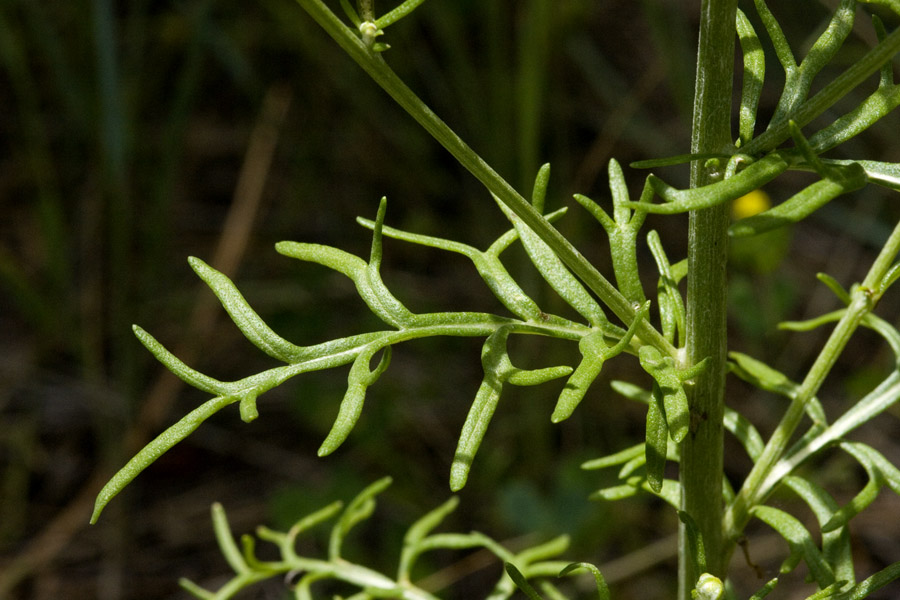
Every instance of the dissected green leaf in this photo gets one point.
(889, 279)
(384, 305)
(311, 520)
(800, 541)
(764, 377)
(358, 382)
(616, 492)
(744, 431)
(695, 541)
(225, 539)
(641, 460)
(764, 590)
(835, 286)
(366, 276)
(880, 471)
(882, 173)
(401, 11)
(159, 446)
(631, 391)
(657, 439)
(487, 263)
(874, 583)
(551, 267)
(618, 458)
(670, 381)
(247, 320)
(776, 35)
(678, 159)
(828, 593)
(351, 13)
(195, 590)
(670, 492)
(497, 370)
(184, 372)
(593, 349)
(802, 204)
(799, 78)
(884, 100)
(595, 352)
(751, 178)
(622, 232)
(358, 509)
(521, 582)
(421, 528)
(836, 180)
(671, 304)
(754, 74)
(543, 551)
(602, 588)
(418, 532)
(836, 541)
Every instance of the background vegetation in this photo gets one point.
(136, 134)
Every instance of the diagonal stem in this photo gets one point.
(375, 66)
(862, 301)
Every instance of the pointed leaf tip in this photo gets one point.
(197, 264)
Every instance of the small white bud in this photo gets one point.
(709, 587)
(369, 31)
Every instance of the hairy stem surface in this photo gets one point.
(701, 458)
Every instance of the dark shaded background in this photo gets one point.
(135, 134)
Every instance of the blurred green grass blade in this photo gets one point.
(39, 159)
(671, 33)
(537, 24)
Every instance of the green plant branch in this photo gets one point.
(377, 68)
(863, 299)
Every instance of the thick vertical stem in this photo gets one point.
(701, 454)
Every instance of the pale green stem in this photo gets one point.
(375, 66)
(701, 454)
(862, 300)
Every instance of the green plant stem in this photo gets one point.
(375, 66)
(862, 300)
(701, 454)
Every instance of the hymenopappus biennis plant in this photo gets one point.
(679, 341)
